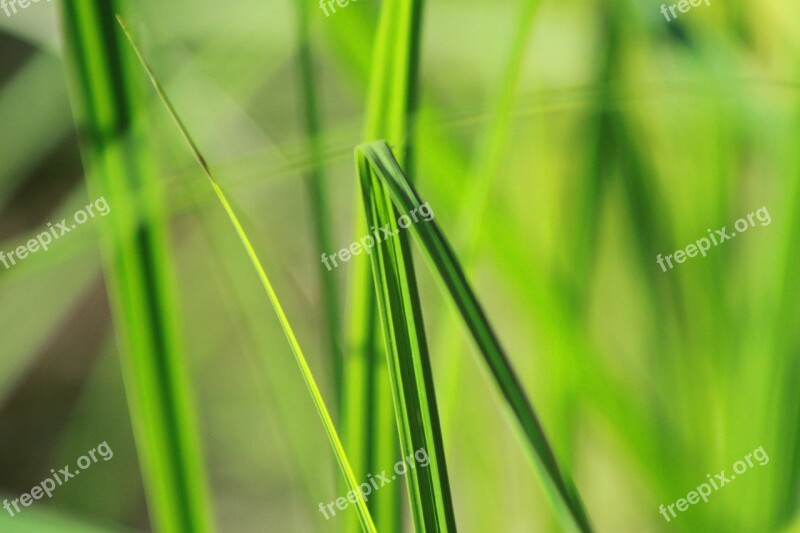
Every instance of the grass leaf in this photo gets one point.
(106, 96)
(392, 97)
(409, 363)
(316, 396)
(319, 210)
(381, 175)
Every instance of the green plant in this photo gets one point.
(107, 96)
(563, 147)
(385, 185)
(313, 389)
(412, 382)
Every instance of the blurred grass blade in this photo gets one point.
(319, 211)
(106, 94)
(381, 175)
(478, 191)
(316, 396)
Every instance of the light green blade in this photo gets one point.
(316, 396)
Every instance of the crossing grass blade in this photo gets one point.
(367, 523)
(384, 182)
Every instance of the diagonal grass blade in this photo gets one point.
(316, 396)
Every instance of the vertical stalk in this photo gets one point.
(316, 192)
(106, 94)
(369, 421)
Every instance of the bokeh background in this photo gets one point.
(622, 137)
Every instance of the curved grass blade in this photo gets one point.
(382, 177)
(316, 396)
(106, 96)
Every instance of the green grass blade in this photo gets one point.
(409, 363)
(316, 192)
(391, 98)
(376, 162)
(106, 94)
(316, 396)
(473, 209)
(492, 151)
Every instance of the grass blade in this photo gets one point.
(138, 270)
(376, 162)
(390, 102)
(316, 396)
(409, 363)
(316, 192)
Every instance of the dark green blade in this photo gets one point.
(377, 163)
(409, 363)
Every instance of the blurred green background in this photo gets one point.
(623, 137)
